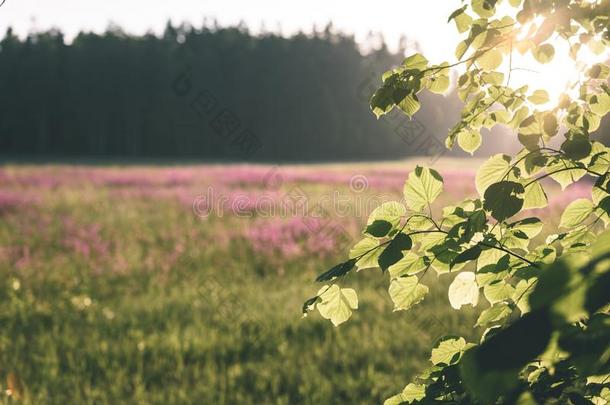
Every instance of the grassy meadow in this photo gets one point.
(184, 284)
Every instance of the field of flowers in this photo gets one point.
(184, 284)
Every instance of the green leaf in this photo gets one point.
(494, 314)
(469, 140)
(490, 256)
(379, 228)
(544, 53)
(472, 253)
(422, 188)
(577, 147)
(550, 126)
(531, 141)
(600, 104)
(409, 105)
(448, 350)
(498, 291)
(601, 245)
(382, 101)
(456, 13)
(411, 393)
(534, 196)
(565, 177)
(492, 171)
(599, 71)
(565, 291)
(576, 212)
(539, 97)
(530, 131)
(496, 78)
(337, 271)
(600, 160)
(337, 303)
(504, 199)
(490, 60)
(309, 305)
(464, 290)
(393, 252)
(391, 211)
(554, 282)
(526, 398)
(530, 226)
(394, 400)
(429, 240)
(493, 272)
(474, 224)
(439, 84)
(367, 253)
(461, 49)
(523, 290)
(543, 254)
(406, 292)
(491, 369)
(484, 8)
(463, 22)
(415, 62)
(409, 265)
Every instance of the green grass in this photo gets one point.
(215, 323)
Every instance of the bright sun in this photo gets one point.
(562, 73)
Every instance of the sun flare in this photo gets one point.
(562, 74)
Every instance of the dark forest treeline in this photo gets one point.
(210, 93)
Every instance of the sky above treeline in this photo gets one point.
(421, 21)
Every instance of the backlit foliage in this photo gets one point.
(546, 330)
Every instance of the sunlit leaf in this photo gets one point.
(406, 292)
(534, 196)
(494, 314)
(390, 211)
(409, 105)
(469, 140)
(539, 97)
(492, 171)
(600, 104)
(448, 350)
(576, 212)
(498, 291)
(367, 253)
(410, 264)
(565, 173)
(422, 188)
(464, 290)
(544, 53)
(523, 290)
(337, 303)
(415, 61)
(484, 8)
(490, 60)
(411, 393)
(439, 84)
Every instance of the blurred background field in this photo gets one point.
(146, 152)
(137, 284)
